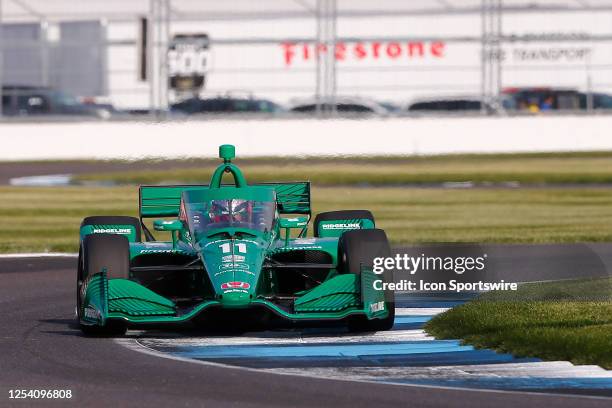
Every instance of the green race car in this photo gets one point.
(235, 254)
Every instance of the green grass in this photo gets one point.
(568, 320)
(526, 169)
(47, 219)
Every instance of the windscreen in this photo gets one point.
(234, 213)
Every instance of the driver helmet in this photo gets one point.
(242, 210)
(231, 210)
(219, 211)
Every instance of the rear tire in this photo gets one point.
(100, 251)
(359, 247)
(341, 215)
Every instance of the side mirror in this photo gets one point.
(296, 222)
(163, 225)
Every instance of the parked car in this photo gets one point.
(226, 104)
(557, 99)
(455, 104)
(519, 100)
(600, 101)
(391, 107)
(446, 105)
(341, 105)
(20, 100)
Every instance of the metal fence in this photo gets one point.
(144, 56)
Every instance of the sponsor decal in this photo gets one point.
(365, 50)
(354, 225)
(297, 220)
(158, 251)
(233, 265)
(305, 241)
(215, 242)
(557, 52)
(188, 59)
(377, 307)
(235, 291)
(91, 313)
(251, 242)
(112, 231)
(235, 285)
(296, 247)
(233, 271)
(233, 258)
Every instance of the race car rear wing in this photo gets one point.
(164, 201)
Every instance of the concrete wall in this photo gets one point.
(297, 137)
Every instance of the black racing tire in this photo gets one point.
(340, 215)
(99, 251)
(359, 247)
(115, 220)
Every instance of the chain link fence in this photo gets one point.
(166, 58)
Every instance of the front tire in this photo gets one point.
(360, 247)
(98, 252)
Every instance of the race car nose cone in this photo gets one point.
(235, 299)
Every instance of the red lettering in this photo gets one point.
(360, 51)
(418, 46)
(340, 51)
(289, 54)
(437, 49)
(306, 52)
(394, 50)
(321, 49)
(375, 49)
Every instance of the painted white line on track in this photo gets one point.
(289, 338)
(551, 369)
(420, 311)
(42, 255)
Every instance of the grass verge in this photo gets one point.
(48, 218)
(526, 169)
(568, 320)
